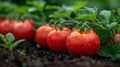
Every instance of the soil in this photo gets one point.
(37, 57)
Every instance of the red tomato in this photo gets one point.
(23, 31)
(57, 40)
(2, 20)
(41, 35)
(29, 21)
(5, 27)
(117, 37)
(86, 43)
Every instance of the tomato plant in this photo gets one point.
(57, 40)
(41, 35)
(23, 30)
(83, 43)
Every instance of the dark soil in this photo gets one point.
(36, 57)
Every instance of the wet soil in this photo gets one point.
(37, 57)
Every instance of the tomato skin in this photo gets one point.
(57, 40)
(41, 35)
(29, 21)
(117, 37)
(5, 27)
(23, 31)
(86, 43)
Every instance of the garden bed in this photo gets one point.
(36, 57)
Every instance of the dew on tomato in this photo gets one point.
(86, 44)
(57, 40)
(41, 35)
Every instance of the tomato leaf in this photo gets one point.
(87, 14)
(38, 4)
(118, 30)
(78, 5)
(60, 15)
(112, 52)
(50, 7)
(112, 25)
(107, 51)
(105, 16)
(118, 11)
(64, 12)
(104, 35)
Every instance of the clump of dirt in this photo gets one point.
(36, 57)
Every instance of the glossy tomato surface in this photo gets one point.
(5, 27)
(57, 40)
(83, 43)
(41, 35)
(23, 31)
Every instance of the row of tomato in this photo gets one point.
(76, 42)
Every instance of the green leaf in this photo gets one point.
(21, 10)
(107, 51)
(12, 46)
(112, 25)
(118, 11)
(87, 14)
(78, 5)
(10, 37)
(22, 52)
(105, 16)
(60, 15)
(50, 7)
(2, 37)
(38, 4)
(116, 57)
(4, 45)
(118, 30)
(104, 35)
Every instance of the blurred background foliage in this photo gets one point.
(43, 9)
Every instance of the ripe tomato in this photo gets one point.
(57, 40)
(41, 35)
(23, 30)
(117, 37)
(5, 27)
(29, 21)
(86, 43)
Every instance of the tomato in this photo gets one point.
(117, 37)
(2, 20)
(83, 43)
(29, 21)
(57, 40)
(23, 30)
(5, 27)
(41, 35)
